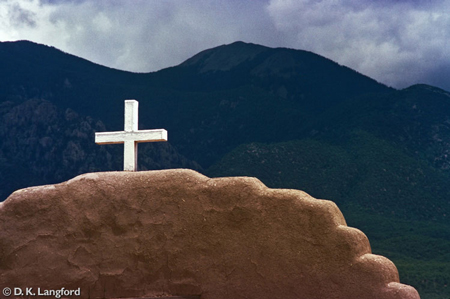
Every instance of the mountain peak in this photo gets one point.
(426, 87)
(224, 57)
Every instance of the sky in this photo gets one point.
(396, 42)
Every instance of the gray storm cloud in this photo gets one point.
(398, 43)
(149, 35)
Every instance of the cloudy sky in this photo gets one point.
(397, 42)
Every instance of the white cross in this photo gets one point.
(131, 136)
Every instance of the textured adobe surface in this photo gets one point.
(177, 232)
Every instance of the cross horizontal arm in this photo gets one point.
(136, 136)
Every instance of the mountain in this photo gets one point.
(269, 91)
(290, 74)
(290, 117)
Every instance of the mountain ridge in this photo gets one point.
(224, 57)
(40, 54)
(163, 91)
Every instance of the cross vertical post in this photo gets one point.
(131, 136)
(130, 150)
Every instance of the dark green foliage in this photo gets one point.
(365, 170)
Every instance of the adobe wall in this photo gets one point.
(177, 232)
